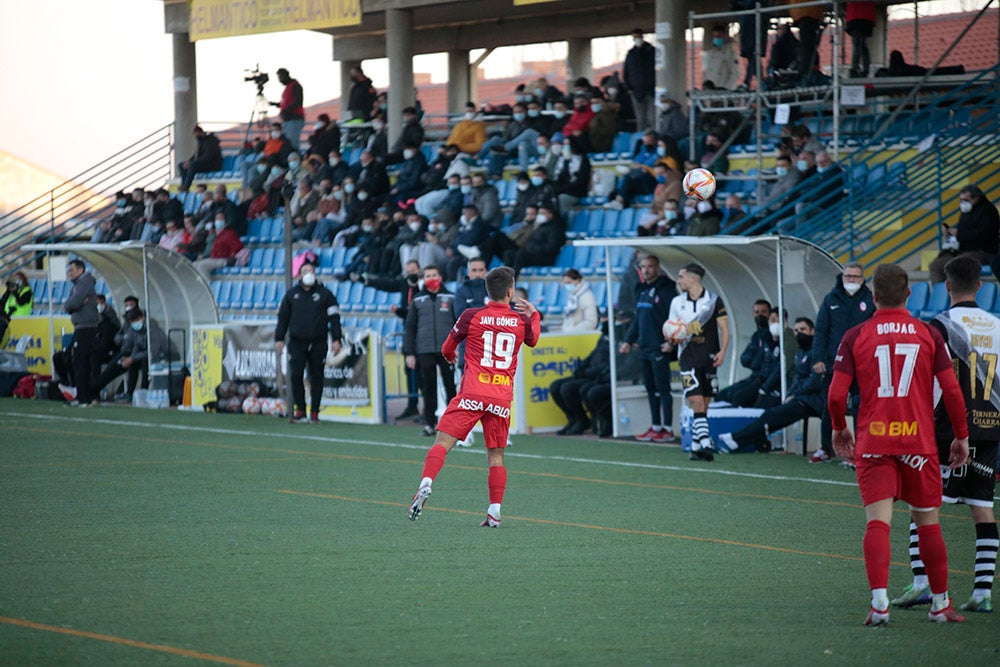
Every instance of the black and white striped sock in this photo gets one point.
(917, 565)
(986, 559)
(699, 430)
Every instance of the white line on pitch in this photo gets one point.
(393, 445)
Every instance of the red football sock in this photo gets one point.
(497, 481)
(434, 461)
(935, 556)
(878, 554)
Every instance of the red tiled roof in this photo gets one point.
(977, 50)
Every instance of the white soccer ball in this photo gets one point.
(675, 330)
(251, 406)
(266, 405)
(280, 408)
(699, 184)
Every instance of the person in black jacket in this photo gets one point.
(569, 393)
(410, 134)
(325, 137)
(754, 358)
(408, 183)
(848, 304)
(308, 315)
(429, 320)
(135, 355)
(543, 246)
(653, 296)
(639, 74)
(362, 95)
(977, 233)
(806, 398)
(369, 175)
(207, 157)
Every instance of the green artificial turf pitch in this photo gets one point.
(144, 537)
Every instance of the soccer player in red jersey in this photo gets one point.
(493, 335)
(895, 359)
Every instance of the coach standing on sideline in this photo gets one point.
(308, 313)
(82, 308)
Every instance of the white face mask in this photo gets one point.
(965, 206)
(377, 125)
(101, 308)
(541, 149)
(318, 126)
(612, 92)
(774, 328)
(469, 115)
(220, 225)
(852, 288)
(704, 207)
(414, 226)
(638, 41)
(570, 287)
(541, 219)
(362, 195)
(334, 161)
(309, 279)
(556, 149)
(409, 153)
(275, 134)
(522, 187)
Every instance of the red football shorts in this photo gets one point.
(912, 478)
(463, 412)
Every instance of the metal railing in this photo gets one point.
(67, 212)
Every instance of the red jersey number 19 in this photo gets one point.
(498, 350)
(909, 352)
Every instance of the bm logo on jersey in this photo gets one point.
(892, 429)
(489, 378)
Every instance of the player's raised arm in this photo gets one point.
(533, 328)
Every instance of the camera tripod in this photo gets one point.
(258, 116)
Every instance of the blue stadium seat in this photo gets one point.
(354, 301)
(384, 299)
(253, 231)
(937, 302)
(600, 289)
(216, 288)
(247, 296)
(595, 222)
(343, 292)
(622, 143)
(581, 218)
(256, 261)
(236, 295)
(273, 295)
(536, 293)
(616, 289)
(258, 300)
(563, 261)
(550, 297)
(278, 265)
(337, 261)
(368, 296)
(583, 259)
(918, 298)
(987, 296)
(351, 321)
(326, 262)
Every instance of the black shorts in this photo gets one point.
(973, 483)
(699, 381)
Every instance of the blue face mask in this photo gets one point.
(820, 170)
(533, 113)
(596, 108)
(137, 326)
(802, 166)
(519, 116)
(453, 186)
(348, 188)
(718, 41)
(781, 171)
(670, 215)
(661, 151)
(466, 189)
(536, 180)
(292, 164)
(559, 114)
(519, 98)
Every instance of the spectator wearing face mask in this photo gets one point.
(444, 205)
(411, 135)
(664, 221)
(571, 177)
(789, 177)
(580, 313)
(547, 156)
(301, 207)
(134, 355)
(719, 61)
(336, 167)
(707, 220)
(512, 238)
(422, 242)
(735, 217)
(976, 234)
(542, 191)
(542, 246)
(224, 248)
(639, 74)
(518, 138)
(207, 157)
(408, 180)
(296, 170)
(615, 93)
(278, 144)
(602, 127)
(578, 124)
(486, 199)
(546, 94)
(472, 232)
(713, 157)
(468, 134)
(639, 180)
(560, 116)
(672, 122)
(325, 136)
(378, 141)
(370, 176)
(172, 236)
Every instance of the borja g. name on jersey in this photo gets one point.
(973, 338)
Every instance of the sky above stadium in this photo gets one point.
(83, 80)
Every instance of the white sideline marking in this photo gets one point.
(393, 445)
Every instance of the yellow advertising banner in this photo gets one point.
(206, 367)
(30, 336)
(556, 356)
(227, 18)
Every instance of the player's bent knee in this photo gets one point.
(445, 440)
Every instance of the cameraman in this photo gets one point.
(17, 301)
(293, 116)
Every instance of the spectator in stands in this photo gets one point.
(542, 246)
(718, 58)
(639, 180)
(784, 50)
(425, 245)
(486, 199)
(669, 185)
(337, 167)
(381, 106)
(17, 300)
(754, 358)
(166, 208)
(859, 23)
(848, 304)
(806, 164)
(82, 308)
(808, 20)
(546, 94)
(639, 74)
(753, 41)
(579, 123)
(568, 393)
(410, 134)
(512, 238)
(542, 192)
(806, 398)
(789, 176)
(803, 140)
(330, 213)
(118, 226)
(408, 179)
(734, 217)
(517, 137)
(303, 203)
(225, 246)
(172, 236)
(571, 177)
(429, 320)
(538, 122)
(207, 157)
(222, 204)
(471, 234)
(977, 232)
(830, 180)
(615, 93)
(523, 198)
(560, 116)
(378, 142)
(197, 239)
(548, 151)
(295, 169)
(580, 313)
(370, 176)
(582, 86)
(362, 95)
(278, 145)
(293, 116)
(444, 205)
(450, 160)
(714, 158)
(134, 355)
(325, 137)
(469, 134)
(672, 121)
(707, 220)
(602, 127)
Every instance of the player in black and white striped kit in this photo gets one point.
(973, 339)
(701, 352)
